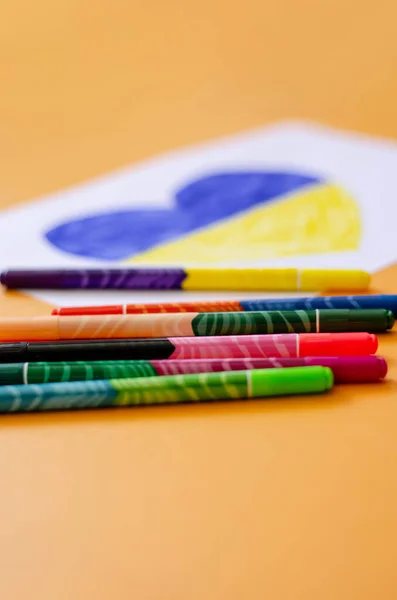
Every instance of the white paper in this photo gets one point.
(365, 167)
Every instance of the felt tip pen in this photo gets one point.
(193, 324)
(386, 301)
(243, 279)
(199, 387)
(344, 368)
(289, 345)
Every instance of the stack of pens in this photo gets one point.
(140, 354)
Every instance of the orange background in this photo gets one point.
(290, 499)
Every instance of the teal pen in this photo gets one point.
(171, 389)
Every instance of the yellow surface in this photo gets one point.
(287, 500)
(322, 219)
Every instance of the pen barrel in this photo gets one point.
(124, 326)
(86, 371)
(240, 279)
(241, 346)
(184, 307)
(213, 365)
(234, 385)
(248, 323)
(183, 388)
(133, 279)
(96, 350)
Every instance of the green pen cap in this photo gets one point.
(373, 320)
(296, 380)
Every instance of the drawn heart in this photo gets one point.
(117, 235)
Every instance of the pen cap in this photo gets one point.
(370, 320)
(337, 344)
(370, 301)
(352, 368)
(296, 380)
(333, 279)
